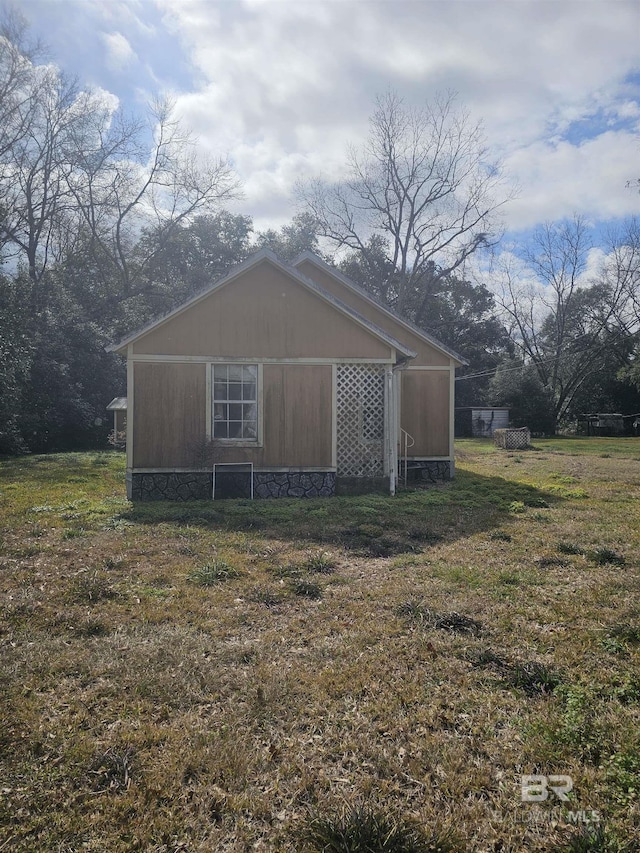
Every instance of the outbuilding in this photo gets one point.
(480, 421)
(119, 408)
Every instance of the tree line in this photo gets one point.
(109, 220)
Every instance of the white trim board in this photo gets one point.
(263, 469)
(234, 359)
(130, 409)
(429, 367)
(430, 458)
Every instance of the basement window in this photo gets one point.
(235, 402)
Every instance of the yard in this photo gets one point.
(277, 675)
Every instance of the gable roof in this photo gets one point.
(309, 284)
(425, 336)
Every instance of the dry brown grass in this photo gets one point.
(143, 710)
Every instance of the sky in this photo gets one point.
(284, 87)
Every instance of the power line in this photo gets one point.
(535, 362)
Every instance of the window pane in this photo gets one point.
(249, 391)
(220, 372)
(234, 405)
(249, 373)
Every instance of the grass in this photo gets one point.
(330, 675)
(361, 829)
(213, 573)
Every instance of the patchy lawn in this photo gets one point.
(323, 675)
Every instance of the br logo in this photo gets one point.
(535, 789)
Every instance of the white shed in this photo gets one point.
(480, 421)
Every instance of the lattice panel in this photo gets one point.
(360, 420)
(512, 439)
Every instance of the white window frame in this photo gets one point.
(235, 442)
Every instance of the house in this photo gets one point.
(277, 380)
(480, 421)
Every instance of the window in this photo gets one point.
(235, 402)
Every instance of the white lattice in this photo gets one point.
(360, 420)
(512, 439)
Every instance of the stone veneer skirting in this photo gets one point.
(294, 484)
(186, 486)
(183, 486)
(428, 471)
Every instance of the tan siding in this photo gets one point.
(425, 411)
(262, 313)
(426, 354)
(169, 414)
(297, 419)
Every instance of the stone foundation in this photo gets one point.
(428, 471)
(187, 486)
(294, 484)
(182, 486)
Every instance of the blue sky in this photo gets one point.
(283, 87)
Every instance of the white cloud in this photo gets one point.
(285, 86)
(558, 179)
(124, 14)
(120, 54)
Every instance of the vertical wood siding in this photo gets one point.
(169, 414)
(426, 354)
(297, 415)
(171, 411)
(425, 411)
(263, 313)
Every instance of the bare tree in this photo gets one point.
(423, 184)
(122, 187)
(33, 190)
(72, 168)
(563, 324)
(16, 79)
(622, 273)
